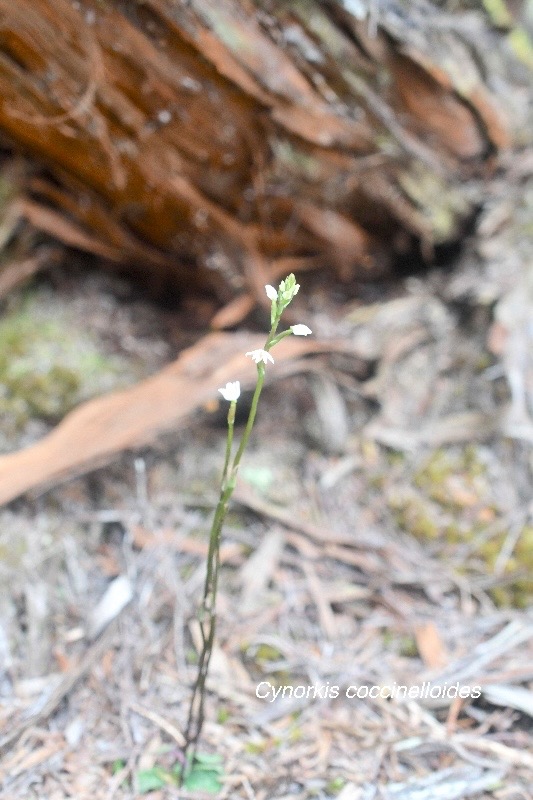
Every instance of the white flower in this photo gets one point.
(260, 355)
(231, 391)
(301, 330)
(271, 292)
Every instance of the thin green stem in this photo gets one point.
(280, 336)
(255, 401)
(195, 719)
(250, 422)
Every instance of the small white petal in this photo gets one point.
(260, 355)
(231, 391)
(271, 292)
(301, 330)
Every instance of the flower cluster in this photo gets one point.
(280, 299)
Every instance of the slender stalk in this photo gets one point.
(255, 399)
(250, 421)
(207, 616)
(195, 718)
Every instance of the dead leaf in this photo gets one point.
(430, 646)
(233, 313)
(116, 597)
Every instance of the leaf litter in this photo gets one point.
(401, 556)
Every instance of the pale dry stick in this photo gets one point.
(326, 616)
(446, 784)
(29, 758)
(506, 754)
(469, 667)
(160, 721)
(508, 547)
(91, 656)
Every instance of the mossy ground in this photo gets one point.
(53, 357)
(48, 363)
(450, 502)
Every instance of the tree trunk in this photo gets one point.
(222, 143)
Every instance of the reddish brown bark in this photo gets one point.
(220, 142)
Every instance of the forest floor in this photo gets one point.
(381, 536)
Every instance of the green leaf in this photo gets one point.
(205, 773)
(148, 780)
(203, 780)
(334, 786)
(211, 760)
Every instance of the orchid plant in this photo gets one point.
(280, 298)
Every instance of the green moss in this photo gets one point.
(498, 13)
(440, 203)
(454, 533)
(378, 481)
(471, 462)
(335, 785)
(414, 516)
(453, 505)
(266, 653)
(518, 589)
(395, 458)
(48, 363)
(522, 45)
(404, 645)
(408, 647)
(524, 547)
(490, 550)
(447, 480)
(435, 471)
(454, 481)
(222, 715)
(12, 550)
(296, 734)
(484, 361)
(257, 747)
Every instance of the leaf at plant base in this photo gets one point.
(148, 780)
(211, 760)
(203, 780)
